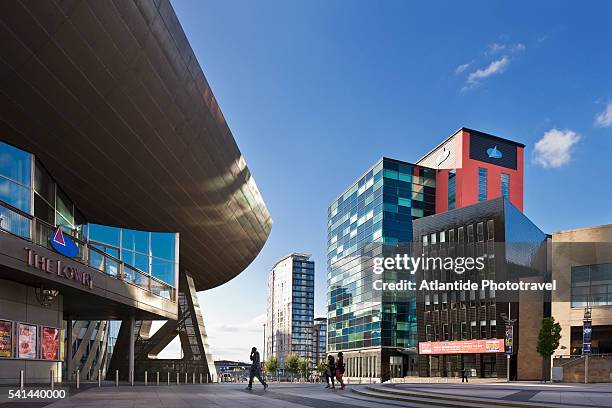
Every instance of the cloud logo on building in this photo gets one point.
(63, 244)
(494, 153)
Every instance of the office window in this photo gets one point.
(592, 285)
(505, 185)
(452, 189)
(15, 177)
(482, 184)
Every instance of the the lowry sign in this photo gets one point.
(55, 266)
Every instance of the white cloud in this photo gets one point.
(495, 67)
(604, 119)
(255, 325)
(462, 68)
(555, 148)
(494, 48)
(519, 47)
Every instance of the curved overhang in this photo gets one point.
(111, 98)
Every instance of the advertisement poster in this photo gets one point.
(462, 347)
(6, 339)
(509, 339)
(27, 341)
(587, 330)
(50, 343)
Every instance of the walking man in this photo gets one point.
(255, 371)
(464, 375)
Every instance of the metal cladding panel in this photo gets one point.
(492, 209)
(111, 98)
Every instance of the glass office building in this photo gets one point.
(377, 209)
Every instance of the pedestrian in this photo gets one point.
(330, 372)
(340, 370)
(255, 371)
(464, 375)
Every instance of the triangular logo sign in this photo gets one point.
(59, 237)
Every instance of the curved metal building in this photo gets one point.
(110, 99)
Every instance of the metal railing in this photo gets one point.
(28, 227)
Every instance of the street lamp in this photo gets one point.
(264, 342)
(587, 331)
(509, 340)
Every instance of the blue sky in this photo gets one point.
(316, 91)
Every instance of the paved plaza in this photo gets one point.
(476, 394)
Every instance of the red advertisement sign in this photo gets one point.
(50, 343)
(462, 347)
(6, 339)
(26, 347)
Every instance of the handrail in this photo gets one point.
(85, 257)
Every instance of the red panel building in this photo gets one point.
(473, 166)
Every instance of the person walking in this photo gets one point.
(340, 370)
(464, 375)
(325, 375)
(255, 371)
(330, 372)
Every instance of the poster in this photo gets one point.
(587, 331)
(462, 347)
(509, 339)
(26, 341)
(6, 339)
(50, 343)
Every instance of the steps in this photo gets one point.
(437, 399)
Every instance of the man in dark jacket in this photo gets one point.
(255, 371)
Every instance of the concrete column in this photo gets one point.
(132, 323)
(69, 354)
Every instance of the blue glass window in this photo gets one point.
(135, 241)
(505, 185)
(452, 189)
(104, 234)
(16, 177)
(162, 245)
(482, 184)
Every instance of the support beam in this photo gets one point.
(69, 354)
(132, 324)
(190, 329)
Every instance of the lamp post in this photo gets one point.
(587, 331)
(264, 343)
(508, 340)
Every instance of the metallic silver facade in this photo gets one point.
(110, 96)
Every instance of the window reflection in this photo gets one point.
(152, 253)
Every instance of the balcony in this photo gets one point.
(39, 232)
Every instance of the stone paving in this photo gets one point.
(315, 396)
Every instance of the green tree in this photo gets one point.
(292, 363)
(271, 365)
(548, 342)
(303, 367)
(322, 366)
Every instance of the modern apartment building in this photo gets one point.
(319, 340)
(290, 309)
